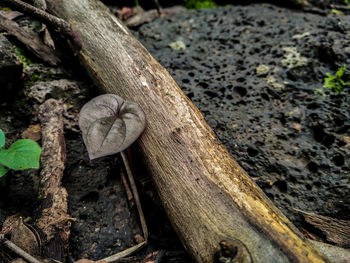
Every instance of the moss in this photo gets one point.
(272, 81)
(178, 45)
(21, 55)
(6, 9)
(335, 82)
(198, 4)
(262, 70)
(337, 12)
(293, 59)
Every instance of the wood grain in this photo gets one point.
(206, 194)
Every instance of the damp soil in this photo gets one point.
(256, 72)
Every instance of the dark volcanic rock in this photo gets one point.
(104, 223)
(256, 73)
(10, 70)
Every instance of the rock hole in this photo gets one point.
(265, 96)
(341, 143)
(312, 166)
(322, 137)
(202, 85)
(190, 95)
(338, 160)
(252, 152)
(281, 185)
(240, 80)
(271, 196)
(82, 216)
(210, 93)
(191, 74)
(317, 184)
(91, 197)
(240, 90)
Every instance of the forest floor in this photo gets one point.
(256, 72)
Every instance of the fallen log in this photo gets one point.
(206, 194)
(54, 222)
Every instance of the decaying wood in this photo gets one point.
(40, 14)
(54, 221)
(335, 231)
(30, 39)
(46, 36)
(206, 194)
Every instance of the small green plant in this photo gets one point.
(21, 55)
(197, 4)
(335, 82)
(347, 2)
(22, 154)
(337, 12)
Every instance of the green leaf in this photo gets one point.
(22, 154)
(2, 139)
(3, 171)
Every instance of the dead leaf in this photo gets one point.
(9, 224)
(138, 238)
(126, 12)
(25, 238)
(33, 132)
(110, 125)
(142, 18)
(150, 258)
(297, 127)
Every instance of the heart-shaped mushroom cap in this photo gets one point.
(110, 125)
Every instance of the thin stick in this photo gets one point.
(124, 253)
(133, 249)
(19, 251)
(341, 7)
(136, 195)
(58, 24)
(157, 7)
(129, 195)
(30, 39)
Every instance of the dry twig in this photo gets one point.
(19, 251)
(60, 25)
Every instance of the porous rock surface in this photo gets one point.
(10, 70)
(256, 73)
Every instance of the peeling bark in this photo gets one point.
(54, 221)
